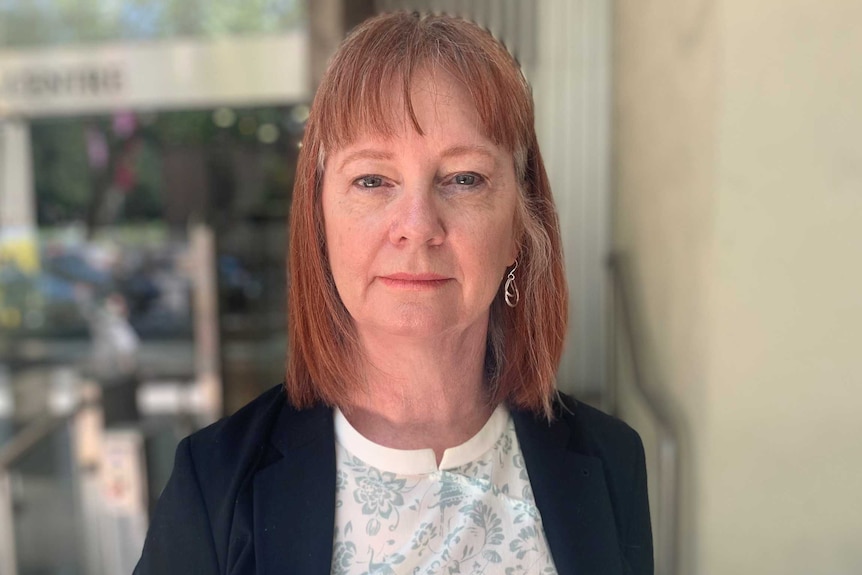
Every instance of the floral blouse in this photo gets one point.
(396, 512)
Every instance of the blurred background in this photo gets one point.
(706, 160)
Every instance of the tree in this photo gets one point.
(31, 23)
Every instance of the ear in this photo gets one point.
(515, 250)
(513, 255)
(519, 235)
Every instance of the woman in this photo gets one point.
(418, 430)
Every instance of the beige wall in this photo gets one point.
(738, 196)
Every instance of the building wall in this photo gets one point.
(738, 171)
(665, 95)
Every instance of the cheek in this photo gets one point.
(341, 245)
(492, 251)
(505, 237)
(351, 253)
(336, 241)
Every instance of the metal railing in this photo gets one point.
(11, 452)
(626, 320)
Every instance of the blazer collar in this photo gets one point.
(294, 495)
(571, 493)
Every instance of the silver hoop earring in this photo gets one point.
(510, 291)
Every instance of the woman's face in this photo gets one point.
(420, 228)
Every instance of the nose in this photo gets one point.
(417, 218)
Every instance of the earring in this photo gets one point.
(510, 291)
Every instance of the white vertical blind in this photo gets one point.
(571, 81)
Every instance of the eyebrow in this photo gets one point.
(468, 149)
(366, 154)
(454, 151)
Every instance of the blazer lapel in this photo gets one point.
(572, 497)
(294, 497)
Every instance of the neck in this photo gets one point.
(422, 393)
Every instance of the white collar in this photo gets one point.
(420, 461)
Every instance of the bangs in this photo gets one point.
(368, 86)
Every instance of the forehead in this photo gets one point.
(441, 111)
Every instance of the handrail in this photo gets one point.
(11, 451)
(666, 524)
(39, 428)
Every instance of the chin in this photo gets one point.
(413, 322)
(417, 327)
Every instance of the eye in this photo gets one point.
(369, 182)
(467, 179)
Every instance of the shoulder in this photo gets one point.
(620, 449)
(190, 530)
(606, 457)
(594, 432)
(245, 427)
(223, 453)
(253, 412)
(582, 430)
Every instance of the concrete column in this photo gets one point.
(737, 199)
(329, 21)
(17, 196)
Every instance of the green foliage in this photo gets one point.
(144, 201)
(68, 188)
(184, 128)
(62, 175)
(25, 23)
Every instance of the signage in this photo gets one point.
(35, 83)
(173, 74)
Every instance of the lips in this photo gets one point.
(415, 281)
(415, 277)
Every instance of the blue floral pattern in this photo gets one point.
(477, 518)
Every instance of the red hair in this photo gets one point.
(354, 97)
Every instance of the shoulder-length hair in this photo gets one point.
(355, 97)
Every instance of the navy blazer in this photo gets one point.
(255, 493)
